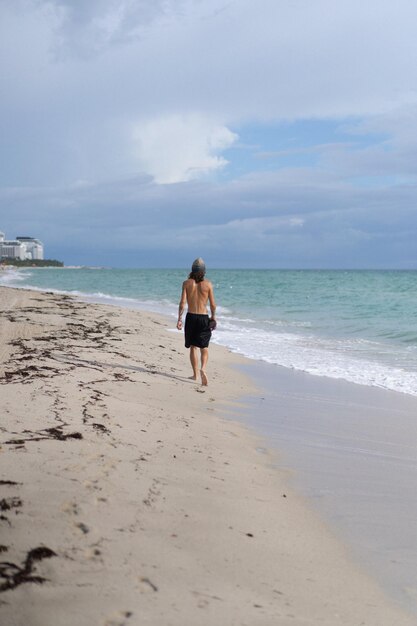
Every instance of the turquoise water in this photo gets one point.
(357, 325)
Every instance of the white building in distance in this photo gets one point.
(22, 248)
(34, 247)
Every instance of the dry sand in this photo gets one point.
(128, 499)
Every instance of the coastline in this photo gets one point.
(355, 458)
(154, 507)
(330, 324)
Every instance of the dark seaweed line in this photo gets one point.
(14, 575)
(50, 433)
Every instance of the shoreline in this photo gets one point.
(157, 509)
(358, 359)
(354, 457)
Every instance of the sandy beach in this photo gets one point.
(127, 497)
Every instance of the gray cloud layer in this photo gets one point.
(102, 99)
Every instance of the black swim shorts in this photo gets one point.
(197, 330)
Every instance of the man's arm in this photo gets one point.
(181, 306)
(212, 303)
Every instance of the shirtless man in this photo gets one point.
(196, 293)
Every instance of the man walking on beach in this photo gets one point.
(196, 293)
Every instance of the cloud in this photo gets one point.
(105, 102)
(383, 147)
(89, 28)
(179, 148)
(127, 64)
(260, 220)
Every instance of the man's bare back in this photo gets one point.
(196, 293)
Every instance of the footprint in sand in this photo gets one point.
(70, 507)
(120, 618)
(93, 554)
(146, 585)
(82, 527)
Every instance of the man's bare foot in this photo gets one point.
(204, 379)
(193, 377)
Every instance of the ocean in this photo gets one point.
(360, 326)
(353, 450)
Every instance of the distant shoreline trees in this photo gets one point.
(31, 262)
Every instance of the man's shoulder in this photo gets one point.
(204, 284)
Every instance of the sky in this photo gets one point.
(145, 133)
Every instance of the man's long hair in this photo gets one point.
(197, 276)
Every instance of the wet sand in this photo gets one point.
(127, 498)
(354, 453)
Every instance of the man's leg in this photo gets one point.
(194, 361)
(204, 359)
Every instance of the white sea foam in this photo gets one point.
(9, 276)
(164, 307)
(315, 356)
